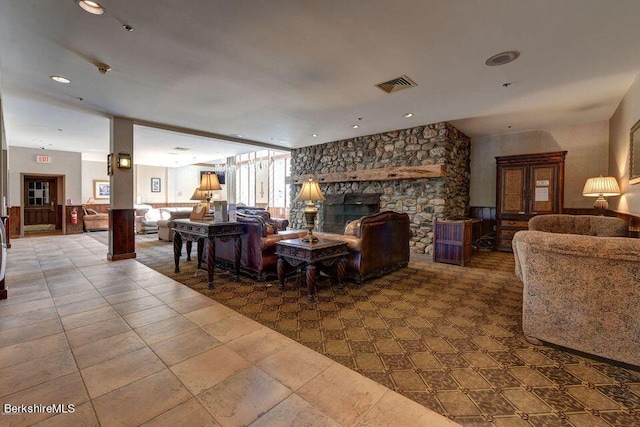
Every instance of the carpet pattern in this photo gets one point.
(445, 336)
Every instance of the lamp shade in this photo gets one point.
(601, 186)
(198, 194)
(210, 182)
(310, 191)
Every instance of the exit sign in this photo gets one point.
(43, 159)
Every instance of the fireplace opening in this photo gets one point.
(338, 209)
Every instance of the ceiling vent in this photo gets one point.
(181, 149)
(399, 83)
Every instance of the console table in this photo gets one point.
(324, 253)
(198, 231)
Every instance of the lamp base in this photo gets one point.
(600, 206)
(309, 238)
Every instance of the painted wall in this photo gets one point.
(142, 190)
(587, 147)
(626, 115)
(23, 160)
(93, 171)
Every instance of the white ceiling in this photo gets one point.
(278, 71)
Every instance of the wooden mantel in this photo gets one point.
(382, 174)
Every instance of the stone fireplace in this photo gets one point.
(339, 209)
(439, 145)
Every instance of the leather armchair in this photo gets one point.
(377, 244)
(258, 258)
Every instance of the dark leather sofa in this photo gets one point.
(261, 233)
(377, 244)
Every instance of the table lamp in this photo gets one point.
(600, 187)
(310, 192)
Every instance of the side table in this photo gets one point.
(324, 253)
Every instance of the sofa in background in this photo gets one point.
(165, 224)
(261, 233)
(581, 291)
(94, 221)
(377, 244)
(146, 219)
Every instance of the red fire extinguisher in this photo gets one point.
(74, 216)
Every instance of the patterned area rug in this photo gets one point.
(445, 336)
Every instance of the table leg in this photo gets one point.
(342, 267)
(177, 250)
(237, 252)
(189, 243)
(281, 273)
(311, 281)
(200, 252)
(211, 260)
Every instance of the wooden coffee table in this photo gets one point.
(322, 254)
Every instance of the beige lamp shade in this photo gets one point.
(210, 182)
(310, 191)
(198, 194)
(601, 186)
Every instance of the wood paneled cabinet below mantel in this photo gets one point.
(527, 185)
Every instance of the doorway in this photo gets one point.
(42, 212)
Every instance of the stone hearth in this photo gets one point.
(423, 199)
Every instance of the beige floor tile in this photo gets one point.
(165, 329)
(29, 332)
(189, 413)
(395, 410)
(66, 389)
(231, 328)
(9, 310)
(108, 348)
(293, 412)
(241, 398)
(82, 415)
(138, 402)
(81, 306)
(28, 318)
(526, 401)
(97, 331)
(155, 289)
(34, 349)
(188, 305)
(120, 288)
(76, 297)
(152, 315)
(129, 307)
(177, 294)
(259, 344)
(36, 371)
(207, 369)
(24, 297)
(115, 373)
(181, 347)
(88, 317)
(211, 314)
(295, 366)
(342, 394)
(127, 296)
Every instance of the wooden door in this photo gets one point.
(512, 188)
(40, 201)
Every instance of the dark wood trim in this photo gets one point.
(72, 228)
(632, 220)
(14, 223)
(381, 174)
(122, 239)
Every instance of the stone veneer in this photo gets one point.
(423, 199)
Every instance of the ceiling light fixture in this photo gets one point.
(127, 27)
(502, 58)
(315, 135)
(92, 7)
(60, 79)
(407, 115)
(355, 126)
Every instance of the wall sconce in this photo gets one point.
(110, 164)
(124, 161)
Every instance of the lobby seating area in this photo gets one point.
(94, 221)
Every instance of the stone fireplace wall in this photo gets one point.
(422, 199)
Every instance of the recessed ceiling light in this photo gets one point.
(355, 126)
(407, 115)
(60, 79)
(92, 7)
(315, 135)
(236, 135)
(502, 58)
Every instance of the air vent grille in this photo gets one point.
(399, 83)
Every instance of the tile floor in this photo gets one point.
(129, 346)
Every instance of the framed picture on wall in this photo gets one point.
(101, 189)
(155, 185)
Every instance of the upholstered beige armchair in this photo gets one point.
(581, 292)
